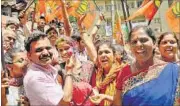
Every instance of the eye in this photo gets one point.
(67, 48)
(106, 51)
(39, 50)
(172, 42)
(164, 42)
(60, 50)
(143, 40)
(100, 53)
(21, 60)
(48, 48)
(134, 42)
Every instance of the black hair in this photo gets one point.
(147, 30)
(76, 38)
(35, 36)
(42, 17)
(164, 34)
(50, 29)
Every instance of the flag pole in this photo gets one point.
(126, 14)
(33, 17)
(112, 16)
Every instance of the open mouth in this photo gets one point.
(169, 50)
(104, 61)
(140, 51)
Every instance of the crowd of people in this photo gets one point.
(53, 66)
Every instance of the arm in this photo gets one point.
(88, 41)
(96, 27)
(117, 98)
(68, 85)
(67, 25)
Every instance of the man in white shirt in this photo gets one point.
(40, 82)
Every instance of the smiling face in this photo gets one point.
(141, 45)
(65, 50)
(9, 39)
(105, 56)
(19, 65)
(168, 47)
(41, 52)
(52, 36)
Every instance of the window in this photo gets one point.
(139, 3)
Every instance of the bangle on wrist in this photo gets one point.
(69, 75)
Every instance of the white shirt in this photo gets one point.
(41, 86)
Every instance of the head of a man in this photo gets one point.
(11, 25)
(9, 38)
(42, 22)
(39, 48)
(16, 62)
(79, 43)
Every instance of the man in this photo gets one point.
(9, 38)
(40, 81)
(11, 25)
(80, 52)
(41, 24)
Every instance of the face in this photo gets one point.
(168, 47)
(81, 45)
(9, 40)
(41, 52)
(105, 56)
(42, 23)
(61, 30)
(52, 36)
(11, 27)
(65, 51)
(141, 45)
(20, 62)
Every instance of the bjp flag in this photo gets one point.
(148, 9)
(80, 7)
(117, 31)
(173, 17)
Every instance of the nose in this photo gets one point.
(139, 43)
(11, 41)
(45, 51)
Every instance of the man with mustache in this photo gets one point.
(40, 82)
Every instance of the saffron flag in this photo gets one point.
(81, 7)
(52, 9)
(49, 8)
(173, 17)
(148, 9)
(117, 31)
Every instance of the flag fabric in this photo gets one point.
(148, 9)
(117, 31)
(173, 17)
(52, 9)
(40, 8)
(81, 7)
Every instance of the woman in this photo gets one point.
(107, 68)
(142, 83)
(16, 62)
(168, 47)
(81, 73)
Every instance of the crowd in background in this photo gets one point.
(53, 65)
